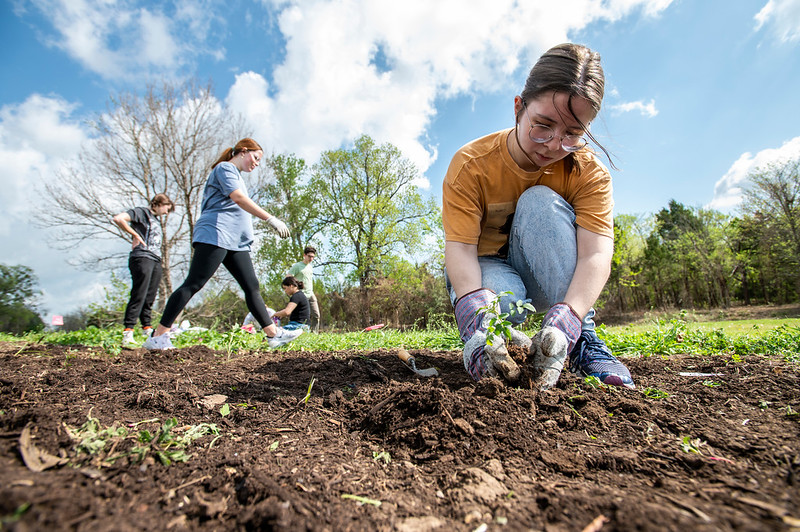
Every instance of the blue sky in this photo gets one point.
(698, 93)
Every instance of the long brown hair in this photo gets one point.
(244, 145)
(575, 70)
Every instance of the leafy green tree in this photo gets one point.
(625, 268)
(369, 211)
(774, 199)
(19, 300)
(284, 192)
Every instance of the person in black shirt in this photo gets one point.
(144, 261)
(298, 310)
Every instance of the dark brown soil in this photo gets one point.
(440, 453)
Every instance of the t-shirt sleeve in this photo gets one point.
(138, 216)
(594, 202)
(462, 207)
(227, 178)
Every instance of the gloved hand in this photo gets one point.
(480, 359)
(561, 329)
(279, 226)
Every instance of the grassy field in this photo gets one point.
(658, 337)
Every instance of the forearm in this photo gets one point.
(591, 271)
(588, 281)
(248, 205)
(463, 269)
(123, 224)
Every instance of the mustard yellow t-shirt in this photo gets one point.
(483, 184)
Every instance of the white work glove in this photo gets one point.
(561, 328)
(279, 227)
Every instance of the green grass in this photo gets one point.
(732, 327)
(734, 339)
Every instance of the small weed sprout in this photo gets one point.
(167, 447)
(791, 411)
(594, 382)
(308, 392)
(498, 324)
(763, 405)
(711, 384)
(361, 500)
(655, 393)
(92, 438)
(691, 445)
(383, 455)
(225, 410)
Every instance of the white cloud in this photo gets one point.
(123, 41)
(645, 109)
(36, 136)
(728, 190)
(378, 66)
(781, 18)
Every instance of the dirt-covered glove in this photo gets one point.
(469, 313)
(561, 329)
(279, 226)
(482, 358)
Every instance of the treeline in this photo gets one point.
(684, 257)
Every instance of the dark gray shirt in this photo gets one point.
(149, 229)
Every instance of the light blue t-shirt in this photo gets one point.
(222, 223)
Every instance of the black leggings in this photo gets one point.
(145, 278)
(205, 262)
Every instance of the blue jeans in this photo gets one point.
(293, 325)
(542, 255)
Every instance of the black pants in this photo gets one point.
(145, 277)
(205, 262)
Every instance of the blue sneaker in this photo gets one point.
(592, 357)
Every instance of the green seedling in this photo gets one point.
(791, 411)
(361, 500)
(225, 410)
(763, 405)
(655, 393)
(273, 445)
(594, 382)
(711, 384)
(166, 446)
(690, 445)
(498, 324)
(16, 516)
(383, 455)
(308, 392)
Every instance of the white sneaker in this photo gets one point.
(284, 337)
(158, 342)
(127, 339)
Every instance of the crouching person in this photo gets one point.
(528, 210)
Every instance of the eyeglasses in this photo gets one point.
(541, 133)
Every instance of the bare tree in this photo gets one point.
(162, 142)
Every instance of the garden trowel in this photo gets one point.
(411, 364)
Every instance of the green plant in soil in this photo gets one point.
(498, 324)
(97, 442)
